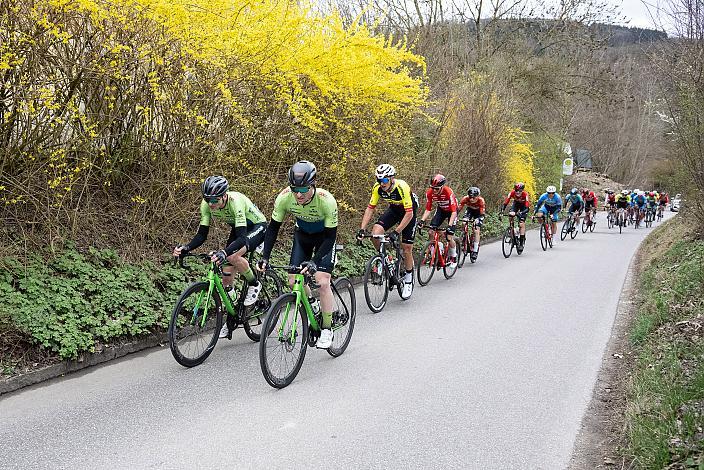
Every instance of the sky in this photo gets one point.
(637, 12)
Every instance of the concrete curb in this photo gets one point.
(86, 360)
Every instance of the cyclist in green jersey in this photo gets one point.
(248, 228)
(315, 211)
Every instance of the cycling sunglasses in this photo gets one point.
(300, 189)
(383, 180)
(212, 200)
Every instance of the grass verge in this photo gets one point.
(665, 410)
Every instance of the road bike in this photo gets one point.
(510, 237)
(621, 219)
(545, 230)
(467, 241)
(433, 257)
(384, 271)
(588, 222)
(639, 216)
(197, 318)
(661, 209)
(611, 218)
(649, 216)
(568, 227)
(291, 326)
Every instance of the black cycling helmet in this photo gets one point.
(473, 192)
(214, 186)
(302, 173)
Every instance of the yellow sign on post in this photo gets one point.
(567, 166)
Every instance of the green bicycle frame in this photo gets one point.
(301, 298)
(215, 282)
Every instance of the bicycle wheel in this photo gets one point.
(507, 243)
(448, 270)
(609, 221)
(620, 224)
(195, 324)
(376, 284)
(575, 230)
(543, 237)
(464, 245)
(271, 290)
(283, 346)
(343, 317)
(565, 228)
(427, 263)
(585, 227)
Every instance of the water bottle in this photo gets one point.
(442, 248)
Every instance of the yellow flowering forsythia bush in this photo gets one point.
(111, 112)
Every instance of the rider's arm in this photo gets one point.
(368, 213)
(482, 207)
(425, 215)
(272, 232)
(239, 233)
(405, 221)
(538, 204)
(507, 200)
(453, 208)
(199, 238)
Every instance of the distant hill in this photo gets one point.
(624, 35)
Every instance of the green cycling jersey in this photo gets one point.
(320, 213)
(239, 211)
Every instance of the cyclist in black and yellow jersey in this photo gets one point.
(403, 205)
(248, 226)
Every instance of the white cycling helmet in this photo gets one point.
(385, 171)
(625, 192)
(551, 189)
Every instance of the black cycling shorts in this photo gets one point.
(254, 238)
(575, 208)
(521, 210)
(588, 205)
(395, 214)
(305, 244)
(476, 215)
(440, 217)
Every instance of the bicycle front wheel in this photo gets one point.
(507, 243)
(283, 343)
(195, 324)
(462, 255)
(543, 237)
(575, 229)
(271, 290)
(427, 262)
(585, 226)
(565, 229)
(376, 284)
(449, 270)
(343, 316)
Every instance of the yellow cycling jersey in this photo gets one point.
(399, 195)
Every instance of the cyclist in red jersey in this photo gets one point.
(521, 205)
(590, 202)
(476, 209)
(446, 201)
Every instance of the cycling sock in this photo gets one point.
(327, 320)
(475, 247)
(249, 275)
(452, 252)
(523, 239)
(409, 276)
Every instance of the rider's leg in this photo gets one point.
(377, 230)
(326, 298)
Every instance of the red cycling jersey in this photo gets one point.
(477, 205)
(612, 199)
(520, 198)
(446, 199)
(590, 197)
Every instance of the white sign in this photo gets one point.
(567, 166)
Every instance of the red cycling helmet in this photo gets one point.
(518, 187)
(438, 181)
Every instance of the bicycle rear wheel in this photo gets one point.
(376, 284)
(574, 231)
(195, 324)
(343, 317)
(507, 243)
(284, 341)
(271, 290)
(427, 263)
(592, 224)
(464, 245)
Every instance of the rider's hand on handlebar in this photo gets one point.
(219, 257)
(393, 236)
(309, 267)
(360, 234)
(262, 264)
(180, 251)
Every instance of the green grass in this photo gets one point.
(665, 413)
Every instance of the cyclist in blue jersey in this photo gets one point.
(639, 204)
(576, 206)
(550, 203)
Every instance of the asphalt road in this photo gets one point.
(492, 369)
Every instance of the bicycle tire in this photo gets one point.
(574, 231)
(465, 249)
(428, 258)
(342, 288)
(620, 225)
(447, 271)
(584, 225)
(565, 228)
(182, 308)
(591, 226)
(370, 277)
(543, 237)
(270, 342)
(507, 240)
(271, 290)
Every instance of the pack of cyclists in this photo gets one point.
(315, 213)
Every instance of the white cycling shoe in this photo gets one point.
(252, 294)
(325, 340)
(223, 331)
